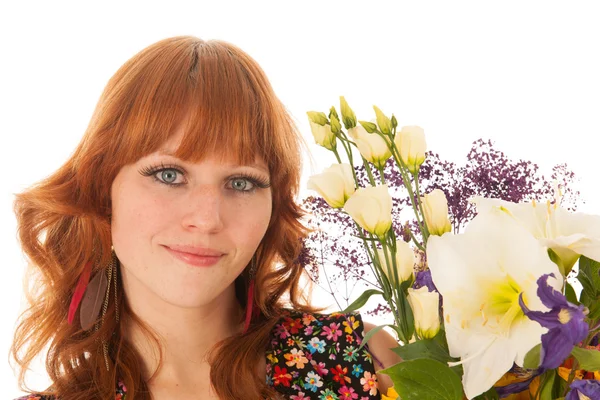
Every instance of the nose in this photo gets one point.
(203, 209)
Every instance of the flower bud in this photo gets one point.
(335, 184)
(384, 123)
(411, 144)
(405, 262)
(323, 135)
(435, 208)
(425, 306)
(371, 208)
(317, 117)
(372, 147)
(348, 116)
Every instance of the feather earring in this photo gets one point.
(80, 289)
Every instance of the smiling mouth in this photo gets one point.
(196, 260)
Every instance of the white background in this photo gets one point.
(522, 73)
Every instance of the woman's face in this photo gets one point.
(161, 204)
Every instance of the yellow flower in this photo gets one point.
(351, 326)
(411, 144)
(335, 184)
(372, 147)
(371, 208)
(391, 395)
(323, 135)
(425, 306)
(405, 262)
(435, 208)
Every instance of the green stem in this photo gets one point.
(337, 156)
(381, 175)
(408, 185)
(418, 196)
(369, 173)
(348, 150)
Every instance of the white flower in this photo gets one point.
(435, 208)
(372, 147)
(569, 235)
(411, 144)
(371, 208)
(425, 306)
(335, 184)
(405, 262)
(480, 275)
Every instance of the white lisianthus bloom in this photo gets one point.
(569, 235)
(426, 309)
(335, 184)
(371, 146)
(480, 275)
(323, 135)
(371, 208)
(412, 146)
(405, 262)
(435, 208)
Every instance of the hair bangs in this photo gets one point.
(218, 95)
(230, 114)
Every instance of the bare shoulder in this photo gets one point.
(380, 346)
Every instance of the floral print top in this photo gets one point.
(315, 356)
(312, 356)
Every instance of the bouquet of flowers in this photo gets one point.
(491, 314)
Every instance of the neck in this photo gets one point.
(186, 335)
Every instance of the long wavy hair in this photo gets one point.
(229, 109)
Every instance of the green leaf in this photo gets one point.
(570, 293)
(426, 348)
(547, 387)
(489, 395)
(370, 334)
(589, 277)
(362, 300)
(425, 379)
(589, 359)
(533, 357)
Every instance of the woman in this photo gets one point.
(166, 247)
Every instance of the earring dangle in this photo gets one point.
(251, 308)
(112, 276)
(92, 296)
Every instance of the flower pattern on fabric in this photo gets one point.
(316, 356)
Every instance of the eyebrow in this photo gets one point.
(253, 165)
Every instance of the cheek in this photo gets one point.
(249, 222)
(136, 216)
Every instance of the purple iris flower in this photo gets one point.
(505, 391)
(585, 389)
(423, 278)
(565, 323)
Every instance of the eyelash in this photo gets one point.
(257, 182)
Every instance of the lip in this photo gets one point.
(196, 256)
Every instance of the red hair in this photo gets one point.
(229, 109)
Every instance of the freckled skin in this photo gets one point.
(206, 210)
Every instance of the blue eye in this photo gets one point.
(248, 184)
(168, 175)
(164, 174)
